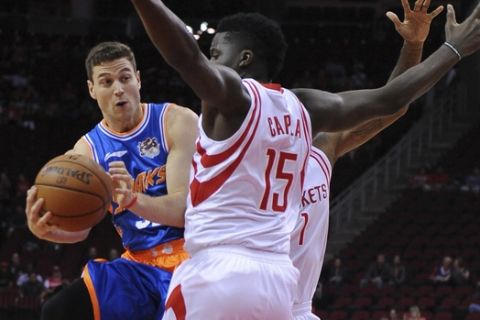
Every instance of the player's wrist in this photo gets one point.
(454, 49)
(413, 45)
(131, 201)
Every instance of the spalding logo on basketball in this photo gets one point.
(76, 190)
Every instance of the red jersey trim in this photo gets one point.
(318, 159)
(273, 86)
(325, 163)
(200, 191)
(308, 138)
(211, 160)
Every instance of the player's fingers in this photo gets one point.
(406, 6)
(476, 12)
(436, 12)
(124, 192)
(121, 177)
(123, 181)
(44, 222)
(116, 164)
(418, 5)
(113, 171)
(451, 19)
(34, 212)
(31, 197)
(426, 5)
(394, 18)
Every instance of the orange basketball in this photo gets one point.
(76, 190)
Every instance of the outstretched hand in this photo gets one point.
(465, 37)
(416, 24)
(123, 193)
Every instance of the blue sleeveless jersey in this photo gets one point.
(144, 151)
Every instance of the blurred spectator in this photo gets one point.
(438, 180)
(55, 279)
(399, 273)
(92, 253)
(460, 274)
(337, 273)
(15, 265)
(474, 305)
(33, 287)
(379, 273)
(393, 315)
(358, 80)
(22, 186)
(443, 272)
(6, 278)
(24, 275)
(113, 254)
(420, 180)
(413, 314)
(472, 181)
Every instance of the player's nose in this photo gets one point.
(118, 88)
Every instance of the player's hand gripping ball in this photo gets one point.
(77, 191)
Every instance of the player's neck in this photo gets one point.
(129, 124)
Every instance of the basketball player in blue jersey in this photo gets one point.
(253, 46)
(147, 148)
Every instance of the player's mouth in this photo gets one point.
(121, 103)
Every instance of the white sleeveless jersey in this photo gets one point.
(309, 239)
(247, 189)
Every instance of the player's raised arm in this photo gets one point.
(414, 30)
(343, 111)
(217, 86)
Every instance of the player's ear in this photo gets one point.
(246, 58)
(137, 74)
(91, 90)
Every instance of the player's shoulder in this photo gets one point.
(81, 147)
(180, 123)
(176, 113)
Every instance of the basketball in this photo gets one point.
(76, 190)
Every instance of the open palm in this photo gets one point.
(416, 24)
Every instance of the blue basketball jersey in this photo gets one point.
(144, 151)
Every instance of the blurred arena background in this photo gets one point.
(413, 191)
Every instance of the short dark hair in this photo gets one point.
(108, 51)
(263, 34)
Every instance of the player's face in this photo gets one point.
(116, 87)
(224, 51)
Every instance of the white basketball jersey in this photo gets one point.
(309, 239)
(247, 189)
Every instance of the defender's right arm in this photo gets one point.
(220, 88)
(39, 223)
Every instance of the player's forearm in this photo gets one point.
(354, 138)
(168, 33)
(401, 91)
(60, 236)
(410, 55)
(167, 209)
(415, 82)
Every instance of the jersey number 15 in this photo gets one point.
(279, 174)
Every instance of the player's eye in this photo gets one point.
(105, 82)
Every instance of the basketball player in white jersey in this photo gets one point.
(309, 239)
(250, 157)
